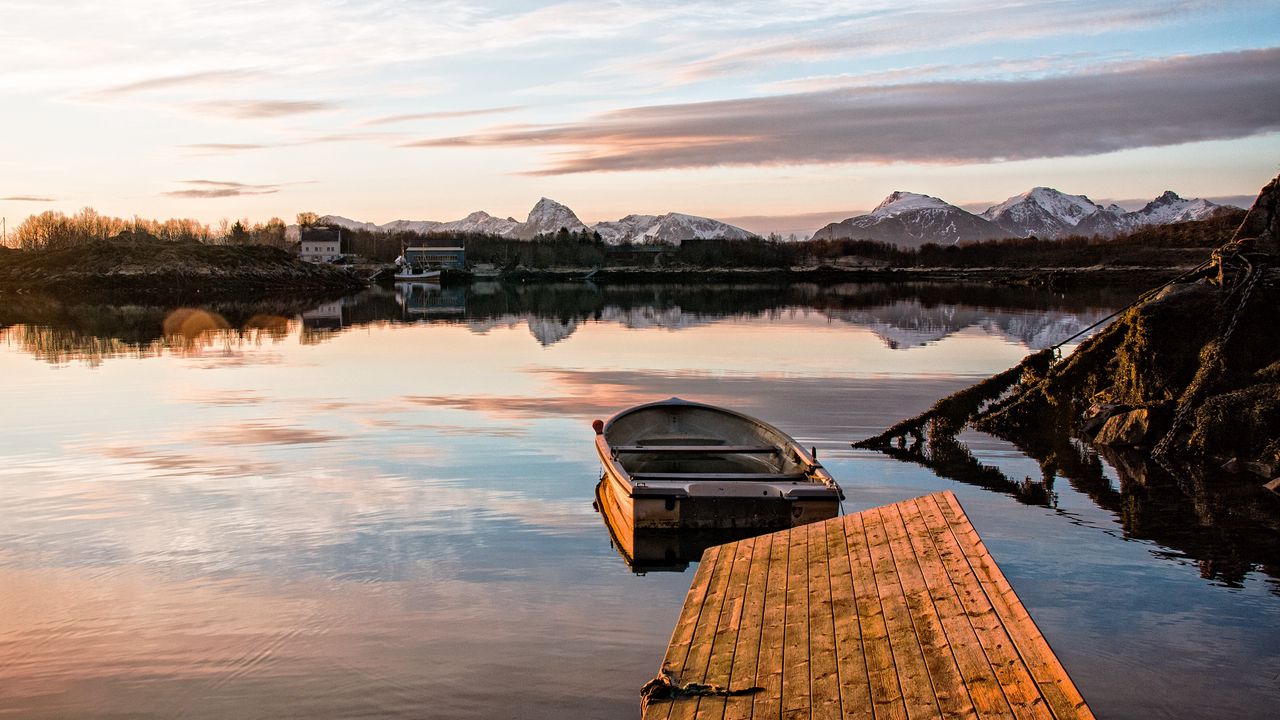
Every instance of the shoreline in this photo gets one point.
(1040, 276)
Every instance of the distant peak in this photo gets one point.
(1169, 196)
(902, 201)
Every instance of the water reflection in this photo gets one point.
(901, 315)
(1230, 526)
(381, 505)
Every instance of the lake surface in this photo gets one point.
(382, 506)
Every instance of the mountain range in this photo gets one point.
(548, 216)
(909, 219)
(905, 219)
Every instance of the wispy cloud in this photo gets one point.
(27, 198)
(442, 115)
(220, 148)
(883, 29)
(208, 189)
(177, 82)
(1155, 103)
(1002, 69)
(258, 109)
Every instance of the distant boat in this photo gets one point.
(408, 272)
(680, 464)
(486, 270)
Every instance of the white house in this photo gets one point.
(321, 244)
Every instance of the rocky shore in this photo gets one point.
(1191, 374)
(1187, 376)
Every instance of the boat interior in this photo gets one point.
(686, 443)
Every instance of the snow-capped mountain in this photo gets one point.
(1170, 208)
(909, 219)
(905, 219)
(909, 323)
(349, 224)
(1166, 209)
(1043, 212)
(481, 222)
(548, 216)
(672, 228)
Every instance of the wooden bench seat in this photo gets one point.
(765, 477)
(717, 449)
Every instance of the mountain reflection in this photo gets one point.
(902, 315)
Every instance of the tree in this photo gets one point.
(307, 219)
(238, 234)
(273, 233)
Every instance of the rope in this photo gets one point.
(665, 687)
(1190, 396)
(1140, 299)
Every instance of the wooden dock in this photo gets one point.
(895, 612)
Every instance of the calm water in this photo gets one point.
(382, 506)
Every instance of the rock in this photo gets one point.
(1262, 469)
(1098, 414)
(1273, 486)
(1136, 427)
(1263, 221)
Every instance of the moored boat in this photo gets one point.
(408, 271)
(680, 464)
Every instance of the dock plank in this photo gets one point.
(698, 658)
(824, 674)
(893, 612)
(725, 641)
(796, 696)
(851, 666)
(1052, 678)
(747, 654)
(768, 703)
(984, 689)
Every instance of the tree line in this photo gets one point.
(52, 229)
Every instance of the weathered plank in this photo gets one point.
(795, 649)
(1052, 678)
(895, 612)
(747, 654)
(984, 689)
(824, 675)
(998, 646)
(886, 695)
(727, 626)
(855, 689)
(699, 656)
(768, 703)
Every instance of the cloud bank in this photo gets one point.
(1161, 102)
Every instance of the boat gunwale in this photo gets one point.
(815, 475)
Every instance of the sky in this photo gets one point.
(779, 115)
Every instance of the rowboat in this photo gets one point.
(680, 465)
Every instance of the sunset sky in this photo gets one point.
(777, 115)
